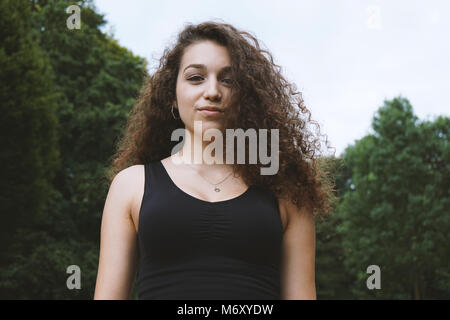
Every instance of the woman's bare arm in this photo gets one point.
(118, 244)
(298, 263)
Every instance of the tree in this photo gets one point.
(28, 123)
(396, 214)
(333, 281)
(97, 81)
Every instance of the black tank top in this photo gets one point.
(195, 249)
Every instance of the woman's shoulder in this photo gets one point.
(131, 182)
(128, 180)
(126, 177)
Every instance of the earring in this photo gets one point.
(173, 115)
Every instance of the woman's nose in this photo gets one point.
(212, 91)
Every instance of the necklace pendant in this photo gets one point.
(216, 189)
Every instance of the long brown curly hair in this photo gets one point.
(262, 98)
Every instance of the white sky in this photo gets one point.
(345, 56)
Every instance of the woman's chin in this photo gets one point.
(202, 125)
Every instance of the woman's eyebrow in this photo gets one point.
(202, 66)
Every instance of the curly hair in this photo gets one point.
(262, 98)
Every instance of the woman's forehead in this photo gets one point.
(206, 55)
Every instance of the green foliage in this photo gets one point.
(395, 213)
(332, 279)
(28, 123)
(96, 81)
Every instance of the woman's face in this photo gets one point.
(204, 80)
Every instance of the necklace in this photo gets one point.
(216, 188)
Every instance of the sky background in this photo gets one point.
(345, 56)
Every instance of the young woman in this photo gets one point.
(192, 230)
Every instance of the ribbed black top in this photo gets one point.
(195, 249)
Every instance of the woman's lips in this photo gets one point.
(210, 112)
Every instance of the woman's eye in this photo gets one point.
(198, 78)
(191, 79)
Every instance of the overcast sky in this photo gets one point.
(345, 56)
